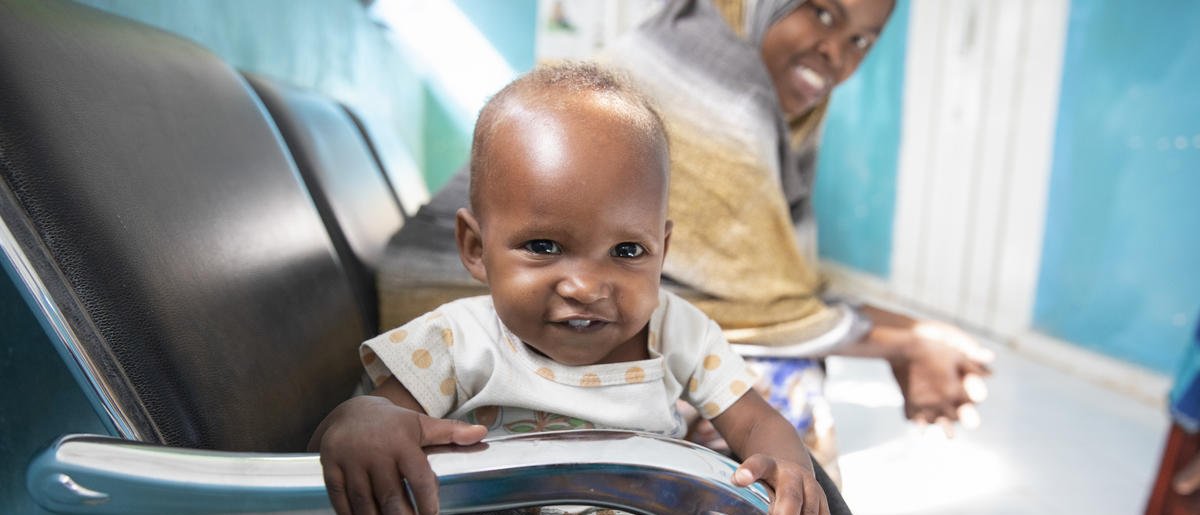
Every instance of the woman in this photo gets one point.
(743, 86)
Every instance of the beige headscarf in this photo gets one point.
(743, 247)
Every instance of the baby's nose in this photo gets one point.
(584, 286)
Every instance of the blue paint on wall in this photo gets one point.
(855, 192)
(1120, 269)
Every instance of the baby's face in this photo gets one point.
(574, 229)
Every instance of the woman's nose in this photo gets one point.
(835, 53)
(584, 285)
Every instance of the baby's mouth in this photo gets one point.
(583, 325)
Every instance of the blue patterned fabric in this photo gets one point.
(794, 386)
(1185, 395)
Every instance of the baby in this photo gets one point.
(568, 227)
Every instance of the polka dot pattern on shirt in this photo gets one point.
(635, 375)
(422, 358)
(738, 387)
(711, 362)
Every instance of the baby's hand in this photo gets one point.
(372, 445)
(795, 486)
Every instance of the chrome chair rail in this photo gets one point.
(634, 472)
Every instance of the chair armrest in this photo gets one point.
(636, 472)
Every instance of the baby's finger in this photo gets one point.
(422, 484)
(389, 491)
(815, 502)
(825, 509)
(362, 500)
(335, 488)
(790, 499)
(752, 469)
(794, 493)
(437, 431)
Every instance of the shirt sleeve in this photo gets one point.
(720, 378)
(418, 355)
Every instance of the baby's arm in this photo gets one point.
(774, 453)
(370, 443)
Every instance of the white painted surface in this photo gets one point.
(1025, 208)
(981, 97)
(1049, 443)
(1064, 430)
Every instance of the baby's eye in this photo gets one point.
(628, 250)
(543, 247)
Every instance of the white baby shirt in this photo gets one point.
(460, 362)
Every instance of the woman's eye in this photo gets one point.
(862, 43)
(543, 247)
(825, 17)
(628, 250)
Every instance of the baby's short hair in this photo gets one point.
(547, 87)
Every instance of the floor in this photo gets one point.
(1049, 443)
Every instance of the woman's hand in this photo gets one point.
(369, 446)
(939, 367)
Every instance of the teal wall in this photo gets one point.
(510, 26)
(328, 46)
(447, 141)
(334, 47)
(855, 192)
(1120, 270)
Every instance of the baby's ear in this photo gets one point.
(470, 244)
(667, 238)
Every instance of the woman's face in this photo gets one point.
(819, 45)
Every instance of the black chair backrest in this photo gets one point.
(144, 184)
(351, 191)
